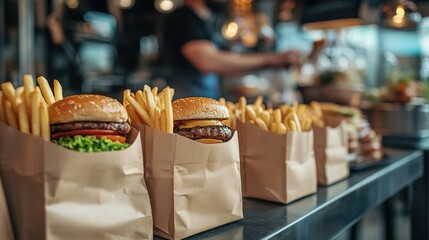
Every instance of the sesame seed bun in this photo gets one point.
(199, 108)
(87, 107)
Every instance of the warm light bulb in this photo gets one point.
(230, 30)
(165, 6)
(400, 11)
(126, 3)
(72, 4)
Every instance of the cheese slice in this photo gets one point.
(209, 141)
(199, 123)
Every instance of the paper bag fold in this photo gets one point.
(330, 147)
(5, 225)
(21, 168)
(276, 167)
(56, 193)
(193, 187)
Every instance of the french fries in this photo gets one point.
(135, 119)
(58, 90)
(148, 107)
(44, 123)
(10, 93)
(127, 92)
(230, 122)
(168, 110)
(23, 119)
(26, 108)
(35, 113)
(10, 115)
(295, 117)
(46, 90)
(140, 111)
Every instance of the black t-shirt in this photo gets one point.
(184, 26)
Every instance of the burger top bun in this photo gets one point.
(199, 108)
(86, 107)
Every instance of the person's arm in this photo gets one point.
(205, 57)
(55, 23)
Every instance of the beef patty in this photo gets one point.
(120, 128)
(222, 133)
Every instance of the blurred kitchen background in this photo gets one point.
(106, 45)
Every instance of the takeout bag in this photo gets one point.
(193, 186)
(276, 167)
(5, 226)
(331, 150)
(56, 193)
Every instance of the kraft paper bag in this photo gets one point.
(331, 150)
(5, 226)
(193, 186)
(276, 167)
(56, 193)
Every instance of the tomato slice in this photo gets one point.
(113, 138)
(84, 132)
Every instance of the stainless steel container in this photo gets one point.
(396, 120)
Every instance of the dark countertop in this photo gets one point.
(330, 211)
(407, 142)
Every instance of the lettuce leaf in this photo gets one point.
(90, 144)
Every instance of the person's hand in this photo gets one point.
(57, 33)
(287, 59)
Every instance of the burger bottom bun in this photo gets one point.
(209, 141)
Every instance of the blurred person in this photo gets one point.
(195, 60)
(64, 23)
(65, 11)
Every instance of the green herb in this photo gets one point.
(90, 144)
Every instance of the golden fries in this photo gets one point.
(222, 101)
(251, 113)
(127, 92)
(44, 123)
(295, 117)
(23, 119)
(148, 107)
(150, 102)
(155, 91)
(35, 113)
(135, 119)
(168, 111)
(10, 93)
(242, 102)
(261, 124)
(42, 99)
(163, 121)
(58, 90)
(140, 111)
(258, 102)
(25, 109)
(10, 115)
(46, 90)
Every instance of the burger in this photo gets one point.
(200, 119)
(89, 123)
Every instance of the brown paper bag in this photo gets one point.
(193, 187)
(56, 193)
(5, 226)
(276, 167)
(330, 148)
